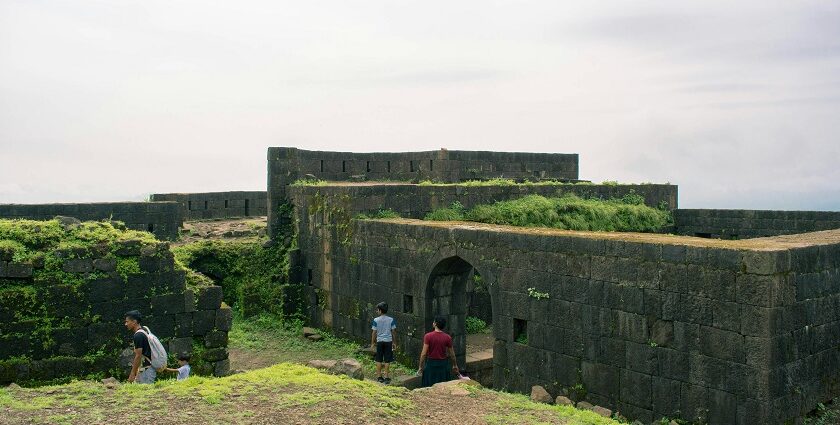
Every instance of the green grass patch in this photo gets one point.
(626, 214)
(475, 325)
(387, 213)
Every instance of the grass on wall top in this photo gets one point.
(570, 212)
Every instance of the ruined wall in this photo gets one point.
(415, 201)
(744, 224)
(285, 165)
(71, 324)
(209, 205)
(650, 325)
(160, 218)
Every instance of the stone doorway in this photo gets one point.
(456, 290)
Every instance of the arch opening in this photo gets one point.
(457, 291)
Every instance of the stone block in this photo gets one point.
(215, 354)
(221, 368)
(209, 298)
(105, 264)
(673, 364)
(162, 326)
(642, 358)
(723, 407)
(180, 346)
(189, 301)
(765, 291)
(3, 266)
(224, 318)
(184, 325)
(215, 339)
(693, 403)
(722, 344)
(106, 289)
(600, 378)
(665, 397)
(77, 265)
(169, 304)
(726, 316)
(18, 270)
(636, 388)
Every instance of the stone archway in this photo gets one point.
(447, 295)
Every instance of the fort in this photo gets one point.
(725, 316)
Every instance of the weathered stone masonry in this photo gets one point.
(160, 218)
(745, 224)
(210, 205)
(51, 330)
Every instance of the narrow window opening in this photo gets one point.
(205, 205)
(343, 166)
(411, 166)
(703, 235)
(226, 203)
(151, 227)
(389, 166)
(189, 205)
(322, 165)
(408, 304)
(431, 165)
(368, 166)
(520, 331)
(309, 277)
(247, 204)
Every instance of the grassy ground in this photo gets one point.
(263, 341)
(293, 392)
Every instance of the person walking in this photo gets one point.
(384, 339)
(142, 371)
(437, 347)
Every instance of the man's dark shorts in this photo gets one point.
(384, 352)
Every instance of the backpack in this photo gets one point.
(159, 358)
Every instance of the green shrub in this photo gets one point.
(626, 214)
(475, 325)
(388, 213)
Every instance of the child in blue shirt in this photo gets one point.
(382, 336)
(184, 370)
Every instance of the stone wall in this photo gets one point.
(286, 165)
(415, 201)
(73, 326)
(163, 219)
(210, 205)
(649, 325)
(744, 224)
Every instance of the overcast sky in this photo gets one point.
(736, 102)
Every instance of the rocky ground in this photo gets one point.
(233, 229)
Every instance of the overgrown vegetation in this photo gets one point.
(476, 183)
(475, 325)
(254, 278)
(570, 212)
(387, 213)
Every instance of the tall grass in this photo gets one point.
(627, 214)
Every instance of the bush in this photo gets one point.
(626, 214)
(475, 325)
(389, 213)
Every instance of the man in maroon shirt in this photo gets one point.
(437, 346)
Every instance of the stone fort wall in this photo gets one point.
(163, 219)
(744, 224)
(56, 329)
(215, 205)
(650, 325)
(286, 165)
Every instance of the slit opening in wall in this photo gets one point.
(247, 205)
(408, 304)
(205, 205)
(389, 166)
(226, 203)
(431, 165)
(151, 227)
(520, 331)
(189, 205)
(343, 166)
(703, 235)
(322, 165)
(411, 166)
(367, 166)
(309, 277)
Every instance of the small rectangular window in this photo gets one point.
(151, 227)
(247, 204)
(322, 165)
(189, 205)
(343, 166)
(205, 205)
(431, 165)
(309, 276)
(389, 166)
(226, 203)
(411, 166)
(408, 304)
(520, 331)
(368, 166)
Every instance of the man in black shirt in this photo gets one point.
(142, 371)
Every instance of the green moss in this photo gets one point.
(128, 266)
